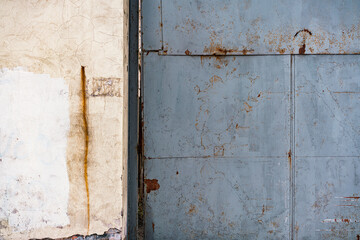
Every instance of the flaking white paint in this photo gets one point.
(34, 124)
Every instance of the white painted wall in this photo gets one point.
(34, 125)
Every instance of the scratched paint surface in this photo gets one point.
(255, 27)
(217, 145)
(327, 140)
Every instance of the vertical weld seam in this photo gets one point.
(161, 25)
(292, 143)
(86, 143)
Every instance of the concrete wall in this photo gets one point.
(63, 125)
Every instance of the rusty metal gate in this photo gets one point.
(251, 119)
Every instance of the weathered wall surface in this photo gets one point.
(63, 117)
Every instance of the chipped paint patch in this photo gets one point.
(33, 134)
(110, 87)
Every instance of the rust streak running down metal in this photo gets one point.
(86, 143)
(289, 157)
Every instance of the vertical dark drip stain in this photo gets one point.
(86, 142)
(302, 50)
(289, 157)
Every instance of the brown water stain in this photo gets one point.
(289, 158)
(86, 142)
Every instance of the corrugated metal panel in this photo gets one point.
(235, 27)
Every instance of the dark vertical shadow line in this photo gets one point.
(86, 143)
(133, 120)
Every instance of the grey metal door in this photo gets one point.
(250, 119)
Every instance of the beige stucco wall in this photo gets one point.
(64, 161)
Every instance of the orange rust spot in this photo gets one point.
(246, 51)
(302, 50)
(259, 95)
(86, 143)
(289, 157)
(151, 185)
(215, 79)
(271, 231)
(187, 52)
(153, 227)
(248, 108)
(237, 126)
(219, 150)
(282, 50)
(346, 220)
(217, 49)
(353, 197)
(192, 209)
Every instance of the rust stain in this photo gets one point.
(237, 126)
(265, 209)
(289, 157)
(192, 209)
(302, 50)
(219, 150)
(281, 50)
(153, 227)
(86, 143)
(215, 79)
(246, 51)
(151, 185)
(217, 49)
(303, 30)
(177, 172)
(248, 108)
(353, 197)
(187, 52)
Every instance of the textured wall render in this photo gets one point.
(62, 169)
